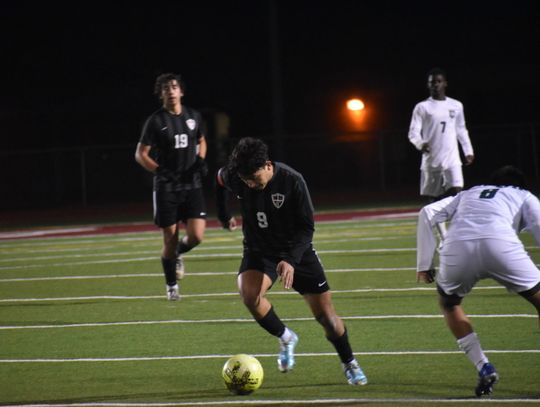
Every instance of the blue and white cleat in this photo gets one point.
(487, 377)
(285, 358)
(354, 373)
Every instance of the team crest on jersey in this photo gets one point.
(277, 200)
(191, 124)
(452, 113)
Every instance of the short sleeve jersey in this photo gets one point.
(278, 220)
(174, 140)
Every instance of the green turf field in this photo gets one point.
(85, 321)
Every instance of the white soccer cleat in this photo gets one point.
(286, 354)
(173, 292)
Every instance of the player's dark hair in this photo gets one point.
(437, 71)
(249, 155)
(508, 176)
(164, 78)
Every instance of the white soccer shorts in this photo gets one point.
(464, 263)
(436, 182)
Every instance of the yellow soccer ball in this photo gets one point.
(242, 374)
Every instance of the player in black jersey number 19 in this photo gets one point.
(173, 147)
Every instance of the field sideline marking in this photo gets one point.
(98, 237)
(259, 355)
(245, 320)
(151, 297)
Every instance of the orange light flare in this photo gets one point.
(355, 105)
(355, 113)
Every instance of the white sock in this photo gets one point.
(470, 344)
(287, 335)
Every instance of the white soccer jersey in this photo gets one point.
(484, 211)
(441, 124)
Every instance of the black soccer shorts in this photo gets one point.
(309, 277)
(173, 207)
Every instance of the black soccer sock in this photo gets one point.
(183, 247)
(169, 269)
(272, 324)
(343, 347)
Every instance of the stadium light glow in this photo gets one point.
(355, 105)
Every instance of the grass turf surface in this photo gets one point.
(85, 320)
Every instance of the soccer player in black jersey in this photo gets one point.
(277, 222)
(173, 147)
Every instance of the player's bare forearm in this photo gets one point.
(222, 203)
(142, 156)
(203, 147)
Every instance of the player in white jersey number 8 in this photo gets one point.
(482, 242)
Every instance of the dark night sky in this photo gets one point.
(83, 74)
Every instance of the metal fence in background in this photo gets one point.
(387, 160)
(365, 162)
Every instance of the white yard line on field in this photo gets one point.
(245, 320)
(145, 252)
(192, 256)
(260, 355)
(100, 238)
(197, 274)
(150, 297)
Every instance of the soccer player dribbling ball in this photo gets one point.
(278, 226)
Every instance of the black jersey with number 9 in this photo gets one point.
(277, 220)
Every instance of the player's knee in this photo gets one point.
(328, 322)
(169, 249)
(195, 240)
(449, 302)
(170, 239)
(533, 296)
(250, 299)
